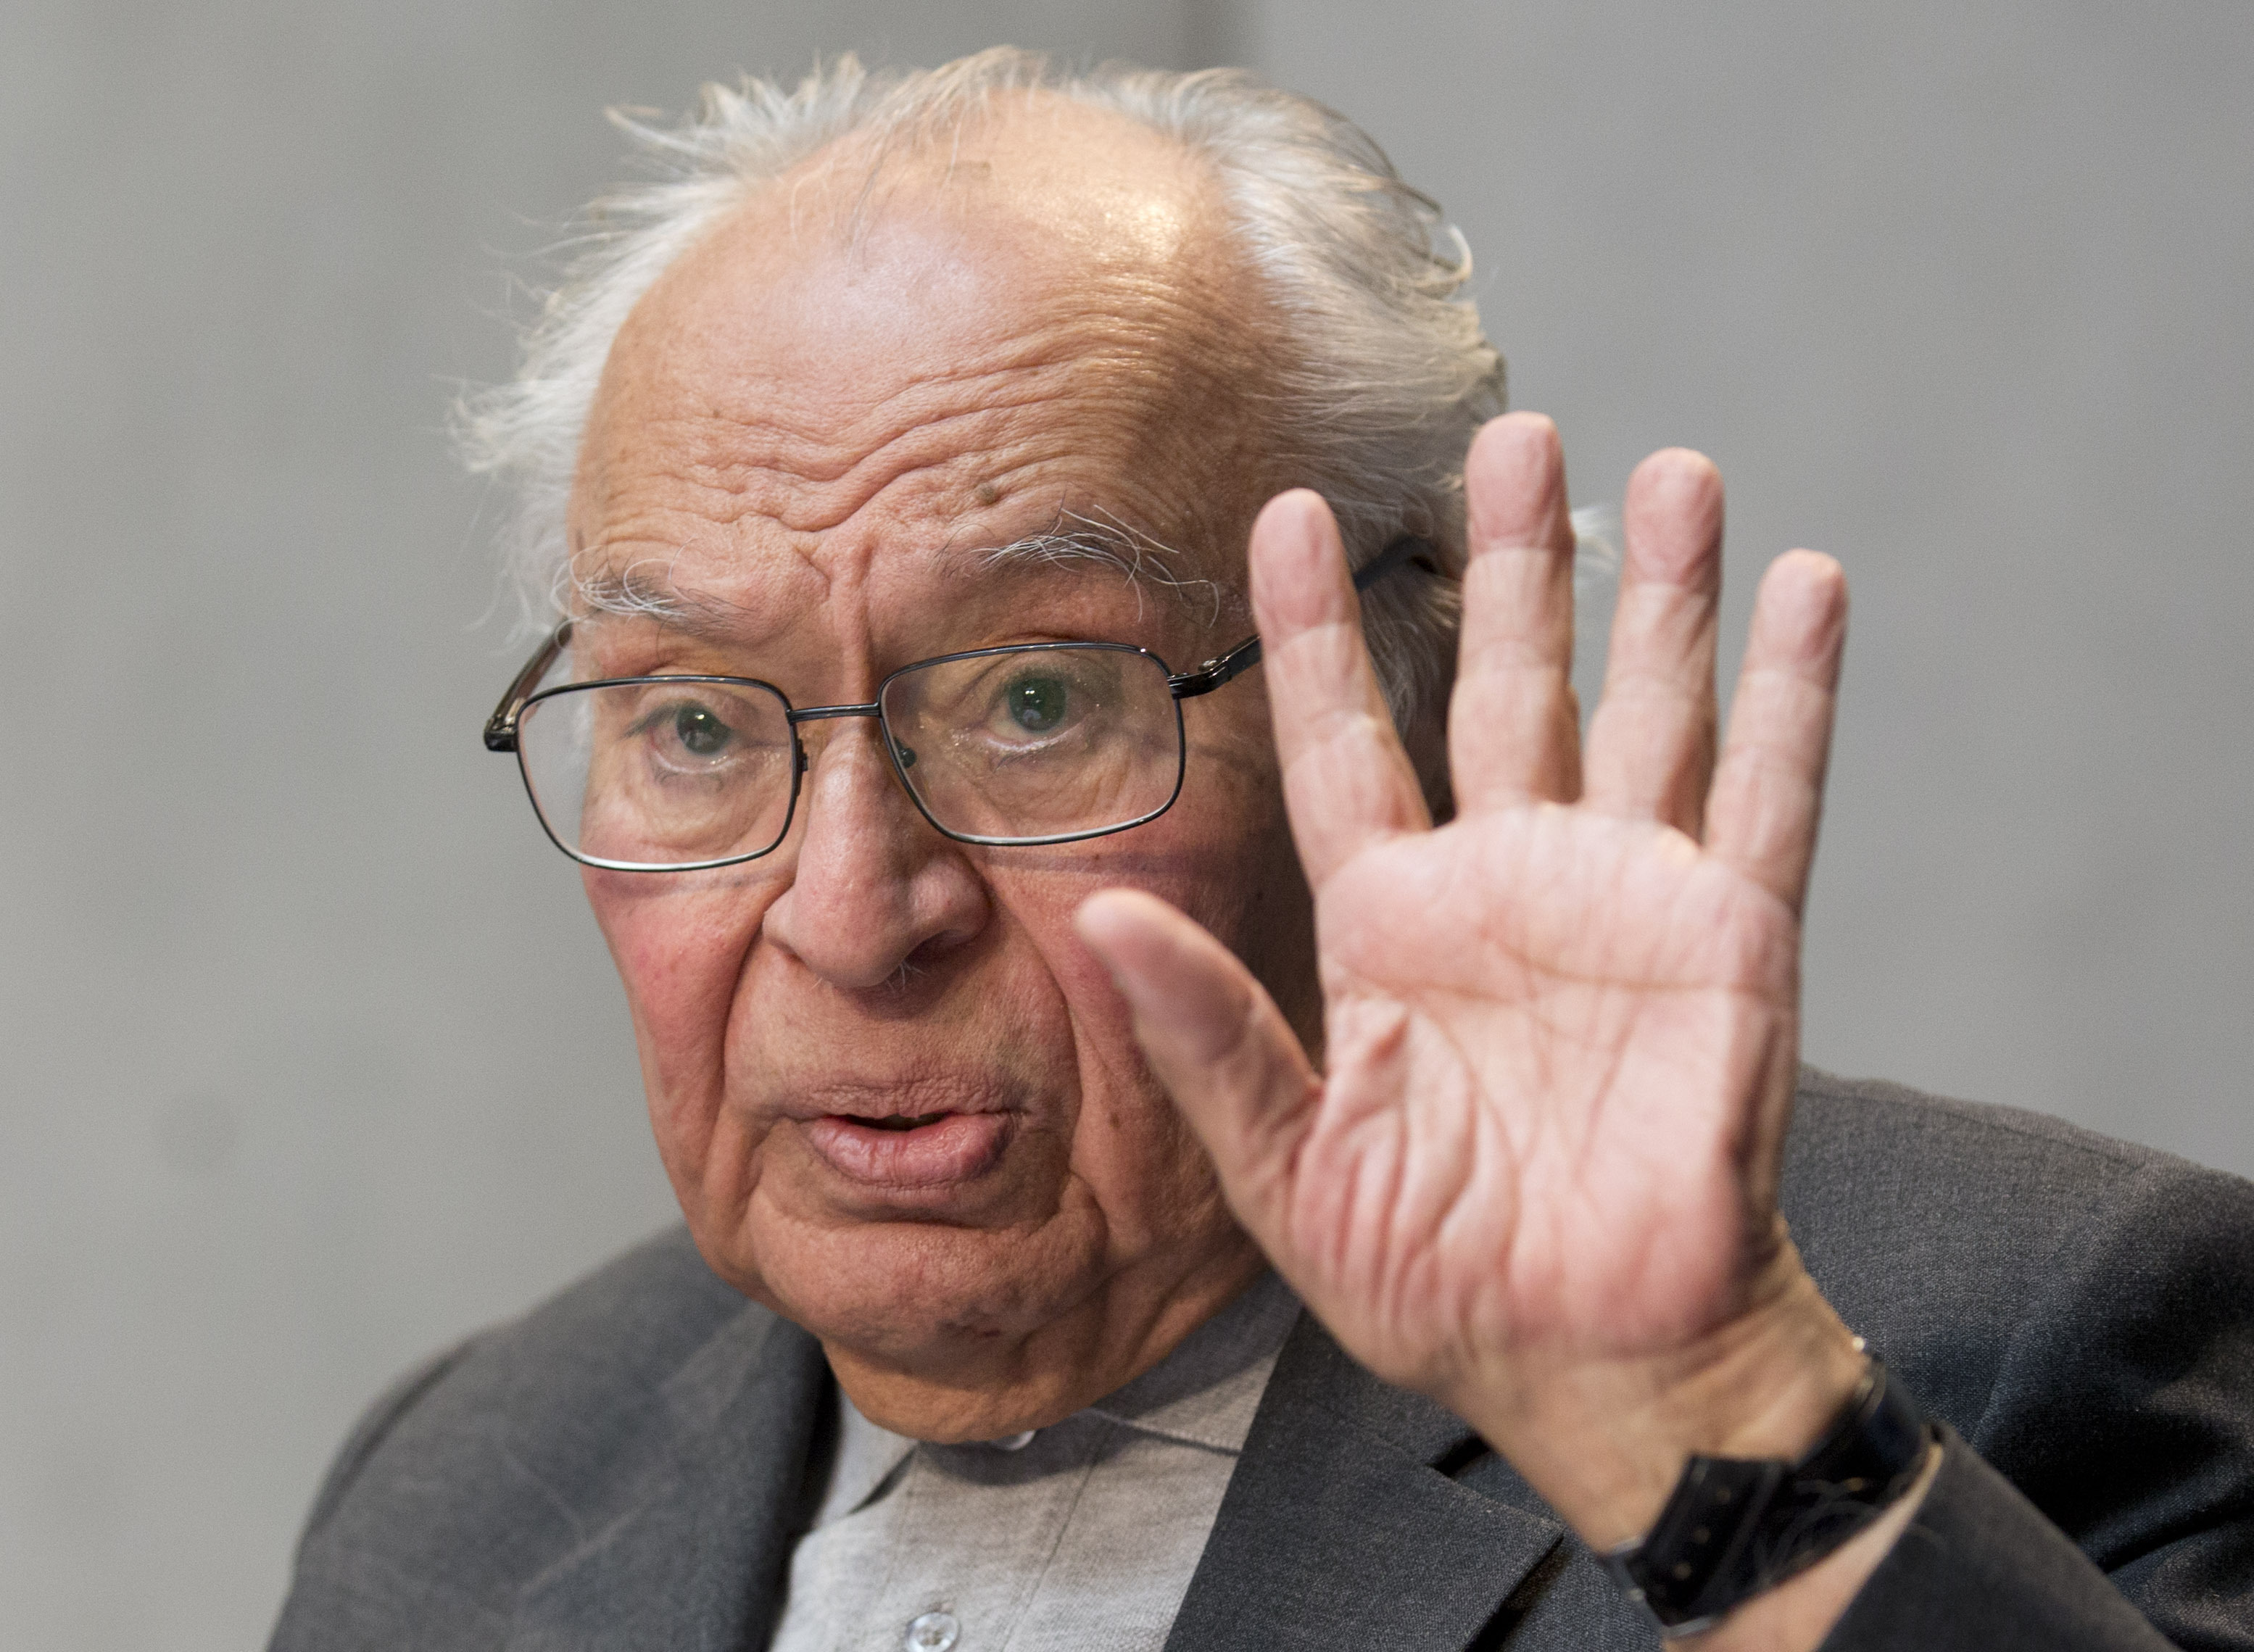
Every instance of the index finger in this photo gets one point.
(1348, 782)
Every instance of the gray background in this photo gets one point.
(310, 1059)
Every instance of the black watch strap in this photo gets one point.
(1736, 1527)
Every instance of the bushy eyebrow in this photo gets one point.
(1102, 539)
(645, 589)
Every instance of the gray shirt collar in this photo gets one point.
(1202, 1394)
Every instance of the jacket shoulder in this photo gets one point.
(1942, 1229)
(2075, 1307)
(481, 1466)
(1844, 1124)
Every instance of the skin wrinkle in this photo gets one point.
(1094, 1236)
(1090, 298)
(1099, 537)
(794, 507)
(709, 616)
(901, 475)
(1400, 1127)
(817, 483)
(1646, 1310)
(1509, 1261)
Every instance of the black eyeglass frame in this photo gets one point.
(501, 729)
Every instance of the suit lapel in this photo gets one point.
(1338, 1529)
(695, 1561)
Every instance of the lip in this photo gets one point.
(953, 1147)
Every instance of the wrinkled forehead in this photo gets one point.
(1042, 323)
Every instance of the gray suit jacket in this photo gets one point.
(628, 1465)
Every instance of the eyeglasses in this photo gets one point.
(1036, 743)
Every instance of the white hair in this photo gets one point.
(1384, 377)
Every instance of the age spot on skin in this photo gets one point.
(988, 494)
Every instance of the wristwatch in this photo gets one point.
(1735, 1527)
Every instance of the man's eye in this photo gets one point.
(1037, 705)
(699, 732)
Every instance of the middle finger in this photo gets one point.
(1513, 729)
(1651, 742)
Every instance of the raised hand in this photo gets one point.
(1535, 1174)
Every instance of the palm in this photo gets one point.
(1561, 1029)
(1506, 1151)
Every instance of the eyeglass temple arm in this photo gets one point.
(1246, 655)
(500, 727)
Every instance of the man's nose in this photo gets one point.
(874, 886)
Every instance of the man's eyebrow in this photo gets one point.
(646, 588)
(1100, 538)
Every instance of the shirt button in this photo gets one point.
(1014, 1442)
(933, 1632)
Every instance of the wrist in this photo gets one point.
(1605, 1440)
(1738, 1528)
(1800, 1612)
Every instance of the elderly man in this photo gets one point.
(1147, 1183)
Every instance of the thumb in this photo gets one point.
(1217, 1042)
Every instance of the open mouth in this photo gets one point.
(910, 1151)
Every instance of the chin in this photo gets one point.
(921, 1295)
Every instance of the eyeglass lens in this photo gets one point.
(659, 773)
(1035, 744)
(1018, 745)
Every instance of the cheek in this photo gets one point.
(1132, 1147)
(1133, 1151)
(679, 942)
(1255, 899)
(1239, 873)
(1146, 1168)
